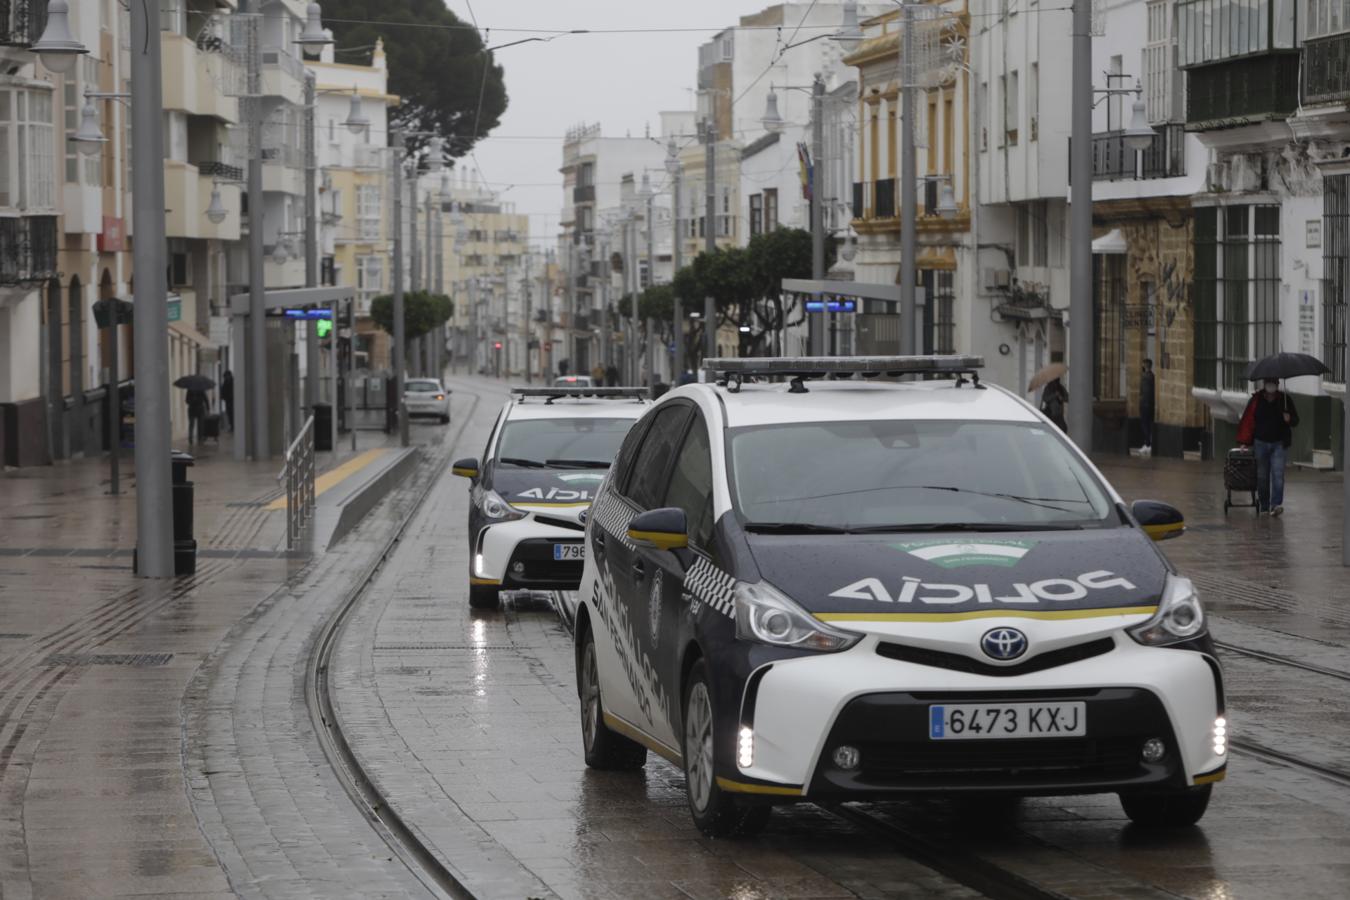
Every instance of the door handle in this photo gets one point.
(599, 542)
(639, 570)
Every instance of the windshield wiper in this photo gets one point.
(792, 528)
(1047, 502)
(520, 461)
(578, 463)
(964, 526)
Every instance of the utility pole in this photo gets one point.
(603, 284)
(429, 339)
(154, 497)
(548, 305)
(710, 233)
(474, 339)
(1080, 235)
(398, 287)
(311, 246)
(256, 381)
(676, 170)
(651, 279)
(909, 173)
(817, 221)
(529, 313)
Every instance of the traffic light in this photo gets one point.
(324, 327)
(497, 345)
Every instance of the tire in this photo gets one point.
(604, 749)
(1171, 809)
(716, 813)
(483, 596)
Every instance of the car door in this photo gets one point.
(628, 678)
(659, 574)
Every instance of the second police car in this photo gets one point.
(839, 589)
(547, 453)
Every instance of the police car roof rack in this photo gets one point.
(602, 393)
(732, 373)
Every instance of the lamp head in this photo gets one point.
(1139, 136)
(850, 32)
(313, 38)
(435, 154)
(57, 48)
(357, 121)
(772, 121)
(89, 136)
(672, 157)
(215, 211)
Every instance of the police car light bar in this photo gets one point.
(604, 393)
(821, 366)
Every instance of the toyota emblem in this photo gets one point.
(1003, 643)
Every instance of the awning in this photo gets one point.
(1113, 242)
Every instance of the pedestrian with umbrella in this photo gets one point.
(1267, 424)
(1055, 397)
(198, 403)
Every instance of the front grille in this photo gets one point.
(559, 523)
(540, 568)
(957, 663)
(998, 761)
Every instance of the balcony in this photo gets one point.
(1326, 69)
(27, 249)
(1165, 156)
(1242, 91)
(223, 171)
(282, 75)
(584, 193)
(197, 81)
(187, 193)
(22, 21)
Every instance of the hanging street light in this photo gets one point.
(772, 121)
(314, 38)
(57, 48)
(435, 154)
(357, 121)
(216, 211)
(672, 157)
(850, 32)
(88, 138)
(1140, 135)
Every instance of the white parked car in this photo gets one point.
(426, 397)
(831, 590)
(530, 492)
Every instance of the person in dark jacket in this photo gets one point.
(612, 375)
(198, 406)
(1054, 398)
(227, 397)
(1146, 400)
(1267, 426)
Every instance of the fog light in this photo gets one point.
(518, 567)
(847, 757)
(1220, 736)
(745, 749)
(1154, 750)
(478, 565)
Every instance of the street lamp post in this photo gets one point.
(677, 315)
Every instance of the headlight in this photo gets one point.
(765, 615)
(494, 507)
(1180, 616)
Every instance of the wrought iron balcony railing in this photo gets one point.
(27, 249)
(1243, 90)
(584, 193)
(218, 169)
(1165, 156)
(1326, 69)
(22, 21)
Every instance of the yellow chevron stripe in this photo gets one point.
(988, 614)
(742, 787)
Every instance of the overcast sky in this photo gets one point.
(619, 80)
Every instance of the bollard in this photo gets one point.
(184, 545)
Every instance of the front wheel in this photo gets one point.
(483, 596)
(603, 748)
(716, 812)
(1169, 809)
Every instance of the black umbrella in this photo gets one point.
(195, 383)
(1285, 365)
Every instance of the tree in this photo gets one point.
(422, 311)
(448, 83)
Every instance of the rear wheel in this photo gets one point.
(483, 596)
(1169, 809)
(716, 812)
(604, 749)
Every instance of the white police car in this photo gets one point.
(548, 452)
(837, 589)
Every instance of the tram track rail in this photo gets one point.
(417, 854)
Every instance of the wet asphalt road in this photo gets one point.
(467, 722)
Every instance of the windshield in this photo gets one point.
(423, 387)
(911, 475)
(562, 442)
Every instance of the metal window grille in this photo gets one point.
(1206, 345)
(940, 309)
(1109, 369)
(1336, 272)
(1237, 250)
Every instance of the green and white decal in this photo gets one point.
(955, 555)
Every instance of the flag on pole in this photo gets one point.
(804, 166)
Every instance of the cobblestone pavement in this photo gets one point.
(93, 668)
(468, 721)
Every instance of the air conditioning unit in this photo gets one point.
(997, 279)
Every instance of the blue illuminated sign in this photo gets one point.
(834, 306)
(300, 313)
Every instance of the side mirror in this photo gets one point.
(465, 468)
(1160, 521)
(660, 529)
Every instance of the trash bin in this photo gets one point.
(184, 545)
(323, 426)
